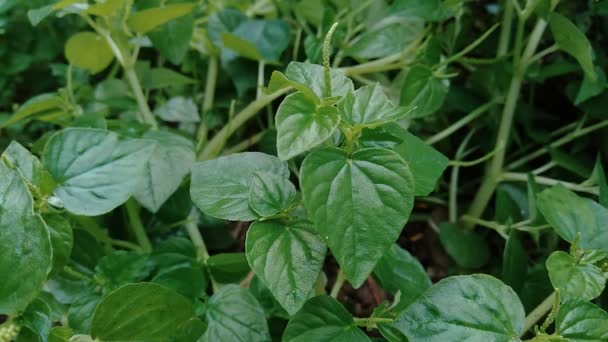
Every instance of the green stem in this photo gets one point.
(197, 240)
(522, 177)
(142, 103)
(538, 313)
(468, 48)
(260, 84)
(340, 279)
(477, 112)
(126, 244)
(245, 144)
(372, 321)
(138, 228)
(209, 97)
(78, 275)
(505, 30)
(326, 56)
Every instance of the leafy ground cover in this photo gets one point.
(320, 170)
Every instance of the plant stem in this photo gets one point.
(505, 30)
(260, 84)
(197, 240)
(541, 310)
(371, 321)
(126, 244)
(209, 97)
(142, 103)
(340, 279)
(522, 177)
(477, 112)
(76, 274)
(138, 228)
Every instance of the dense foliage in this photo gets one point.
(257, 170)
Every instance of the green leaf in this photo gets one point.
(189, 281)
(378, 137)
(278, 81)
(571, 216)
(80, 313)
(143, 311)
(570, 39)
(369, 107)
(287, 257)
(178, 109)
(149, 19)
(398, 271)
(37, 317)
(472, 308)
(323, 319)
(228, 267)
(25, 245)
(172, 39)
(30, 167)
(158, 78)
(574, 279)
(61, 239)
(36, 106)
(226, 20)
(591, 87)
(302, 125)
(106, 9)
(241, 46)
(88, 50)
(431, 10)
(170, 161)
(426, 163)
(269, 194)
(422, 90)
(95, 170)
(120, 268)
(514, 262)
(35, 16)
(466, 247)
(359, 204)
(260, 40)
(220, 187)
(311, 76)
(387, 37)
(233, 314)
(580, 321)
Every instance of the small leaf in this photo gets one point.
(270, 194)
(88, 50)
(178, 109)
(323, 319)
(464, 308)
(359, 203)
(288, 258)
(591, 87)
(580, 321)
(226, 20)
(570, 39)
(241, 46)
(149, 19)
(422, 90)
(466, 247)
(369, 107)
(220, 187)
(143, 311)
(106, 8)
(158, 78)
(514, 262)
(36, 106)
(302, 125)
(574, 279)
(387, 37)
(30, 167)
(311, 76)
(37, 317)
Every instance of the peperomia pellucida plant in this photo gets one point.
(274, 171)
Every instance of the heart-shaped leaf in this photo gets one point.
(369, 107)
(575, 279)
(580, 321)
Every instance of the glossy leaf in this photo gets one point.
(88, 50)
(372, 190)
(579, 280)
(149, 19)
(95, 170)
(311, 76)
(269, 193)
(287, 257)
(473, 307)
(220, 187)
(142, 311)
(369, 107)
(302, 125)
(580, 321)
(570, 39)
(423, 91)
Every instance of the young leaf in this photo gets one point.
(170, 161)
(287, 257)
(302, 125)
(233, 314)
(142, 311)
(466, 247)
(311, 76)
(178, 109)
(574, 279)
(422, 90)
(359, 204)
(25, 245)
(473, 307)
(220, 187)
(574, 217)
(570, 39)
(269, 193)
(369, 107)
(88, 50)
(323, 319)
(30, 167)
(580, 321)
(149, 19)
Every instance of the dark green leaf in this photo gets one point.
(269, 194)
(173, 38)
(188, 281)
(261, 40)
(514, 262)
(422, 90)
(466, 247)
(228, 267)
(575, 279)
(61, 239)
(120, 268)
(581, 321)
(37, 317)
(570, 39)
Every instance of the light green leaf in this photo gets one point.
(574, 279)
(323, 319)
(88, 50)
(170, 161)
(466, 247)
(591, 87)
(178, 109)
(270, 194)
(38, 14)
(25, 245)
(278, 81)
(580, 321)
(62, 239)
(226, 20)
(311, 76)
(142, 311)
(369, 107)
(287, 257)
(570, 39)
(397, 271)
(30, 167)
(359, 204)
(106, 8)
(233, 314)
(149, 19)
(158, 78)
(464, 308)
(389, 36)
(36, 106)
(571, 216)
(220, 187)
(422, 90)
(94, 169)
(241, 46)
(302, 125)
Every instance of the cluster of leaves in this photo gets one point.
(129, 210)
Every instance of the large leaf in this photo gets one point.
(323, 319)
(269, 194)
(25, 245)
(574, 218)
(570, 39)
(287, 257)
(143, 311)
(302, 125)
(575, 279)
(220, 187)
(233, 314)
(359, 204)
(312, 76)
(464, 308)
(30, 167)
(369, 107)
(149, 19)
(422, 90)
(580, 321)
(88, 50)
(170, 161)
(95, 170)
